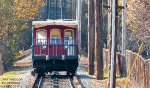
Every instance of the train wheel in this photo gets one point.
(73, 74)
(32, 73)
(68, 73)
(42, 74)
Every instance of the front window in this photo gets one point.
(55, 37)
(69, 37)
(69, 42)
(41, 37)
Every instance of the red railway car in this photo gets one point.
(55, 46)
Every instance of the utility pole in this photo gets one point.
(113, 44)
(123, 27)
(113, 48)
(79, 22)
(124, 72)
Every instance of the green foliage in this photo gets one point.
(12, 45)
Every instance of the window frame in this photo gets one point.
(37, 43)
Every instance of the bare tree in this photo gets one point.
(138, 25)
(1, 64)
(91, 37)
(98, 39)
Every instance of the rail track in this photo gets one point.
(38, 81)
(57, 80)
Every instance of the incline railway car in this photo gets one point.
(55, 46)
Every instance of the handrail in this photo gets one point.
(56, 41)
(55, 47)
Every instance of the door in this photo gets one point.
(55, 42)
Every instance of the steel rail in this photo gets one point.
(55, 81)
(75, 78)
(79, 80)
(38, 81)
(71, 82)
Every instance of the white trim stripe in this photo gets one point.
(55, 22)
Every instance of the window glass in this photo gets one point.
(69, 36)
(69, 42)
(55, 37)
(41, 37)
